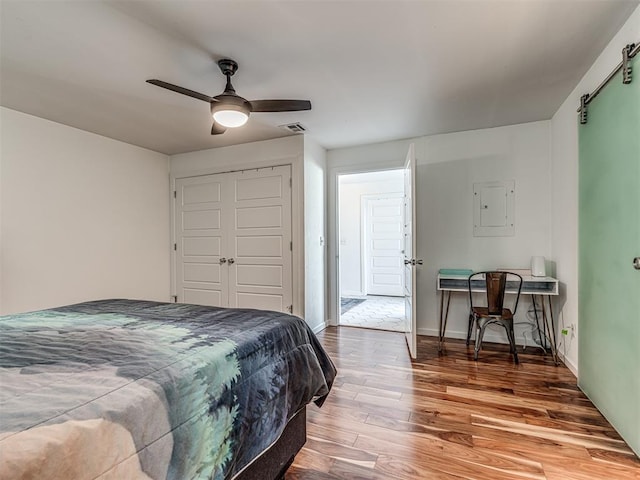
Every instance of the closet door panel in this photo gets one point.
(201, 241)
(260, 238)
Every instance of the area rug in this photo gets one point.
(347, 304)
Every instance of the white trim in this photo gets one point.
(364, 281)
(320, 327)
(352, 293)
(569, 364)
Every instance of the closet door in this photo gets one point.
(201, 274)
(259, 233)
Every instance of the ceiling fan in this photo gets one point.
(229, 109)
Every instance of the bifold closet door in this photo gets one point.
(233, 239)
(260, 239)
(201, 241)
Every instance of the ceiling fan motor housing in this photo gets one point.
(230, 102)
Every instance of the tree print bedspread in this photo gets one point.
(117, 389)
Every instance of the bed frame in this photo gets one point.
(274, 462)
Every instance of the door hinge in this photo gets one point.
(290, 309)
(291, 182)
(291, 246)
(175, 194)
(175, 246)
(175, 298)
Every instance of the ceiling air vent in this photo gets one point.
(294, 127)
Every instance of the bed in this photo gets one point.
(125, 389)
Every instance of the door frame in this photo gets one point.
(333, 226)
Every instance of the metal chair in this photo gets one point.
(495, 283)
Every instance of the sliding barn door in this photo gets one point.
(260, 239)
(609, 285)
(201, 241)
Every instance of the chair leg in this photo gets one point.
(470, 327)
(479, 336)
(512, 342)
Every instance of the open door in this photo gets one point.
(409, 251)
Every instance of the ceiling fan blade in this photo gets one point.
(217, 129)
(183, 91)
(279, 105)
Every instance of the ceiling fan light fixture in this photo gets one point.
(230, 118)
(230, 115)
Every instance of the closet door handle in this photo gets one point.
(231, 261)
(636, 263)
(223, 260)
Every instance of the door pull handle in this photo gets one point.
(223, 260)
(231, 261)
(636, 263)
(413, 261)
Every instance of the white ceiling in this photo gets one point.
(373, 70)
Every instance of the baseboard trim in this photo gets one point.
(570, 365)
(320, 327)
(489, 336)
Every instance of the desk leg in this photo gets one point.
(535, 312)
(550, 327)
(444, 315)
(554, 347)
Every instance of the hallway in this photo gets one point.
(374, 311)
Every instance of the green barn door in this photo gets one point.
(609, 239)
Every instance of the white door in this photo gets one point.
(384, 240)
(260, 257)
(233, 239)
(200, 241)
(410, 251)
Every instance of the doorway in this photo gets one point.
(370, 267)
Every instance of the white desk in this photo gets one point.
(544, 287)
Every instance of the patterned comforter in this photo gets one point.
(123, 389)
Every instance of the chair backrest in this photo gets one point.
(495, 285)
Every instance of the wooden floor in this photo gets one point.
(448, 417)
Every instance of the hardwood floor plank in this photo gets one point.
(448, 417)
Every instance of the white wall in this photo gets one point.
(83, 217)
(564, 148)
(350, 218)
(315, 234)
(448, 165)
